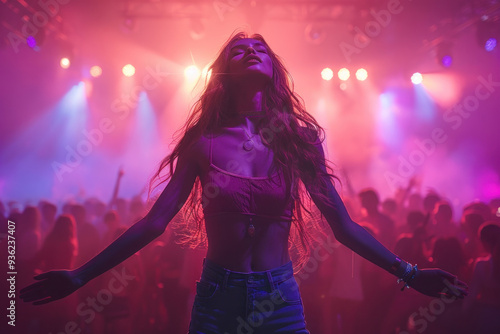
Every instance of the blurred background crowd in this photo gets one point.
(152, 291)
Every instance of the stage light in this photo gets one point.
(416, 78)
(36, 40)
(192, 73)
(95, 71)
(66, 53)
(444, 55)
(327, 74)
(446, 61)
(361, 74)
(31, 41)
(65, 63)
(344, 74)
(128, 70)
(488, 32)
(490, 44)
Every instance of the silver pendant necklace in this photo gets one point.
(249, 144)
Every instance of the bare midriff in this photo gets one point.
(234, 247)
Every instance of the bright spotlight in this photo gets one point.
(192, 73)
(416, 78)
(344, 74)
(95, 71)
(361, 74)
(128, 70)
(65, 63)
(327, 74)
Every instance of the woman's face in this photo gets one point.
(249, 56)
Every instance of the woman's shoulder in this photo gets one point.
(198, 148)
(197, 144)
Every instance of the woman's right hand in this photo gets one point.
(52, 285)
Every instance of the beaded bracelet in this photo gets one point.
(408, 276)
(407, 273)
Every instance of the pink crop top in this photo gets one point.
(225, 193)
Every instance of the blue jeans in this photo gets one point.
(229, 302)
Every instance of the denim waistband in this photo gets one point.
(217, 274)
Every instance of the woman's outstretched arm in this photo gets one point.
(58, 284)
(432, 282)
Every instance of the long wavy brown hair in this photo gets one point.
(288, 129)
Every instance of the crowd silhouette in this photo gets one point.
(152, 291)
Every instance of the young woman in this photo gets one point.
(248, 156)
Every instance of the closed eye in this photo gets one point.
(240, 50)
(235, 53)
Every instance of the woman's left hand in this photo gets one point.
(437, 283)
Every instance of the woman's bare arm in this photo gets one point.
(148, 228)
(54, 285)
(430, 282)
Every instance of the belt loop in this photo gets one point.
(226, 276)
(270, 279)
